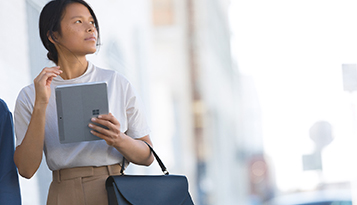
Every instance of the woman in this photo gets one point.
(69, 31)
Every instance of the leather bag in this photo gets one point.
(164, 189)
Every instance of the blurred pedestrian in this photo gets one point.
(9, 181)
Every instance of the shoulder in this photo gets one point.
(27, 92)
(110, 75)
(3, 108)
(3, 105)
(5, 115)
(103, 71)
(25, 97)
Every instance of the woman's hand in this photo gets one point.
(43, 84)
(134, 150)
(112, 134)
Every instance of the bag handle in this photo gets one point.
(163, 168)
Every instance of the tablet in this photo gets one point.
(76, 105)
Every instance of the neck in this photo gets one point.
(72, 68)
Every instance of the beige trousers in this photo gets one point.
(81, 185)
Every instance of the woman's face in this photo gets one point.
(78, 33)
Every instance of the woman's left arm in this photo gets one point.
(134, 150)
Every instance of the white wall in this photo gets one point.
(14, 67)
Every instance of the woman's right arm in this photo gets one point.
(28, 154)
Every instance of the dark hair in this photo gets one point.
(50, 22)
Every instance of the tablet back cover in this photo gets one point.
(76, 105)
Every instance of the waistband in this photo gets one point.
(71, 173)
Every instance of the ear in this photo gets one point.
(54, 41)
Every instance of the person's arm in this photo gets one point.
(28, 155)
(134, 150)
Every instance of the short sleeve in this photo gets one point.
(137, 123)
(22, 113)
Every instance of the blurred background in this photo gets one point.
(254, 101)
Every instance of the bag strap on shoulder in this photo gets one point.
(163, 168)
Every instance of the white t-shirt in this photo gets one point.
(124, 104)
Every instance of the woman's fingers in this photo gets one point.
(100, 129)
(108, 117)
(108, 121)
(43, 81)
(110, 141)
(112, 131)
(47, 73)
(109, 136)
(46, 78)
(52, 70)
